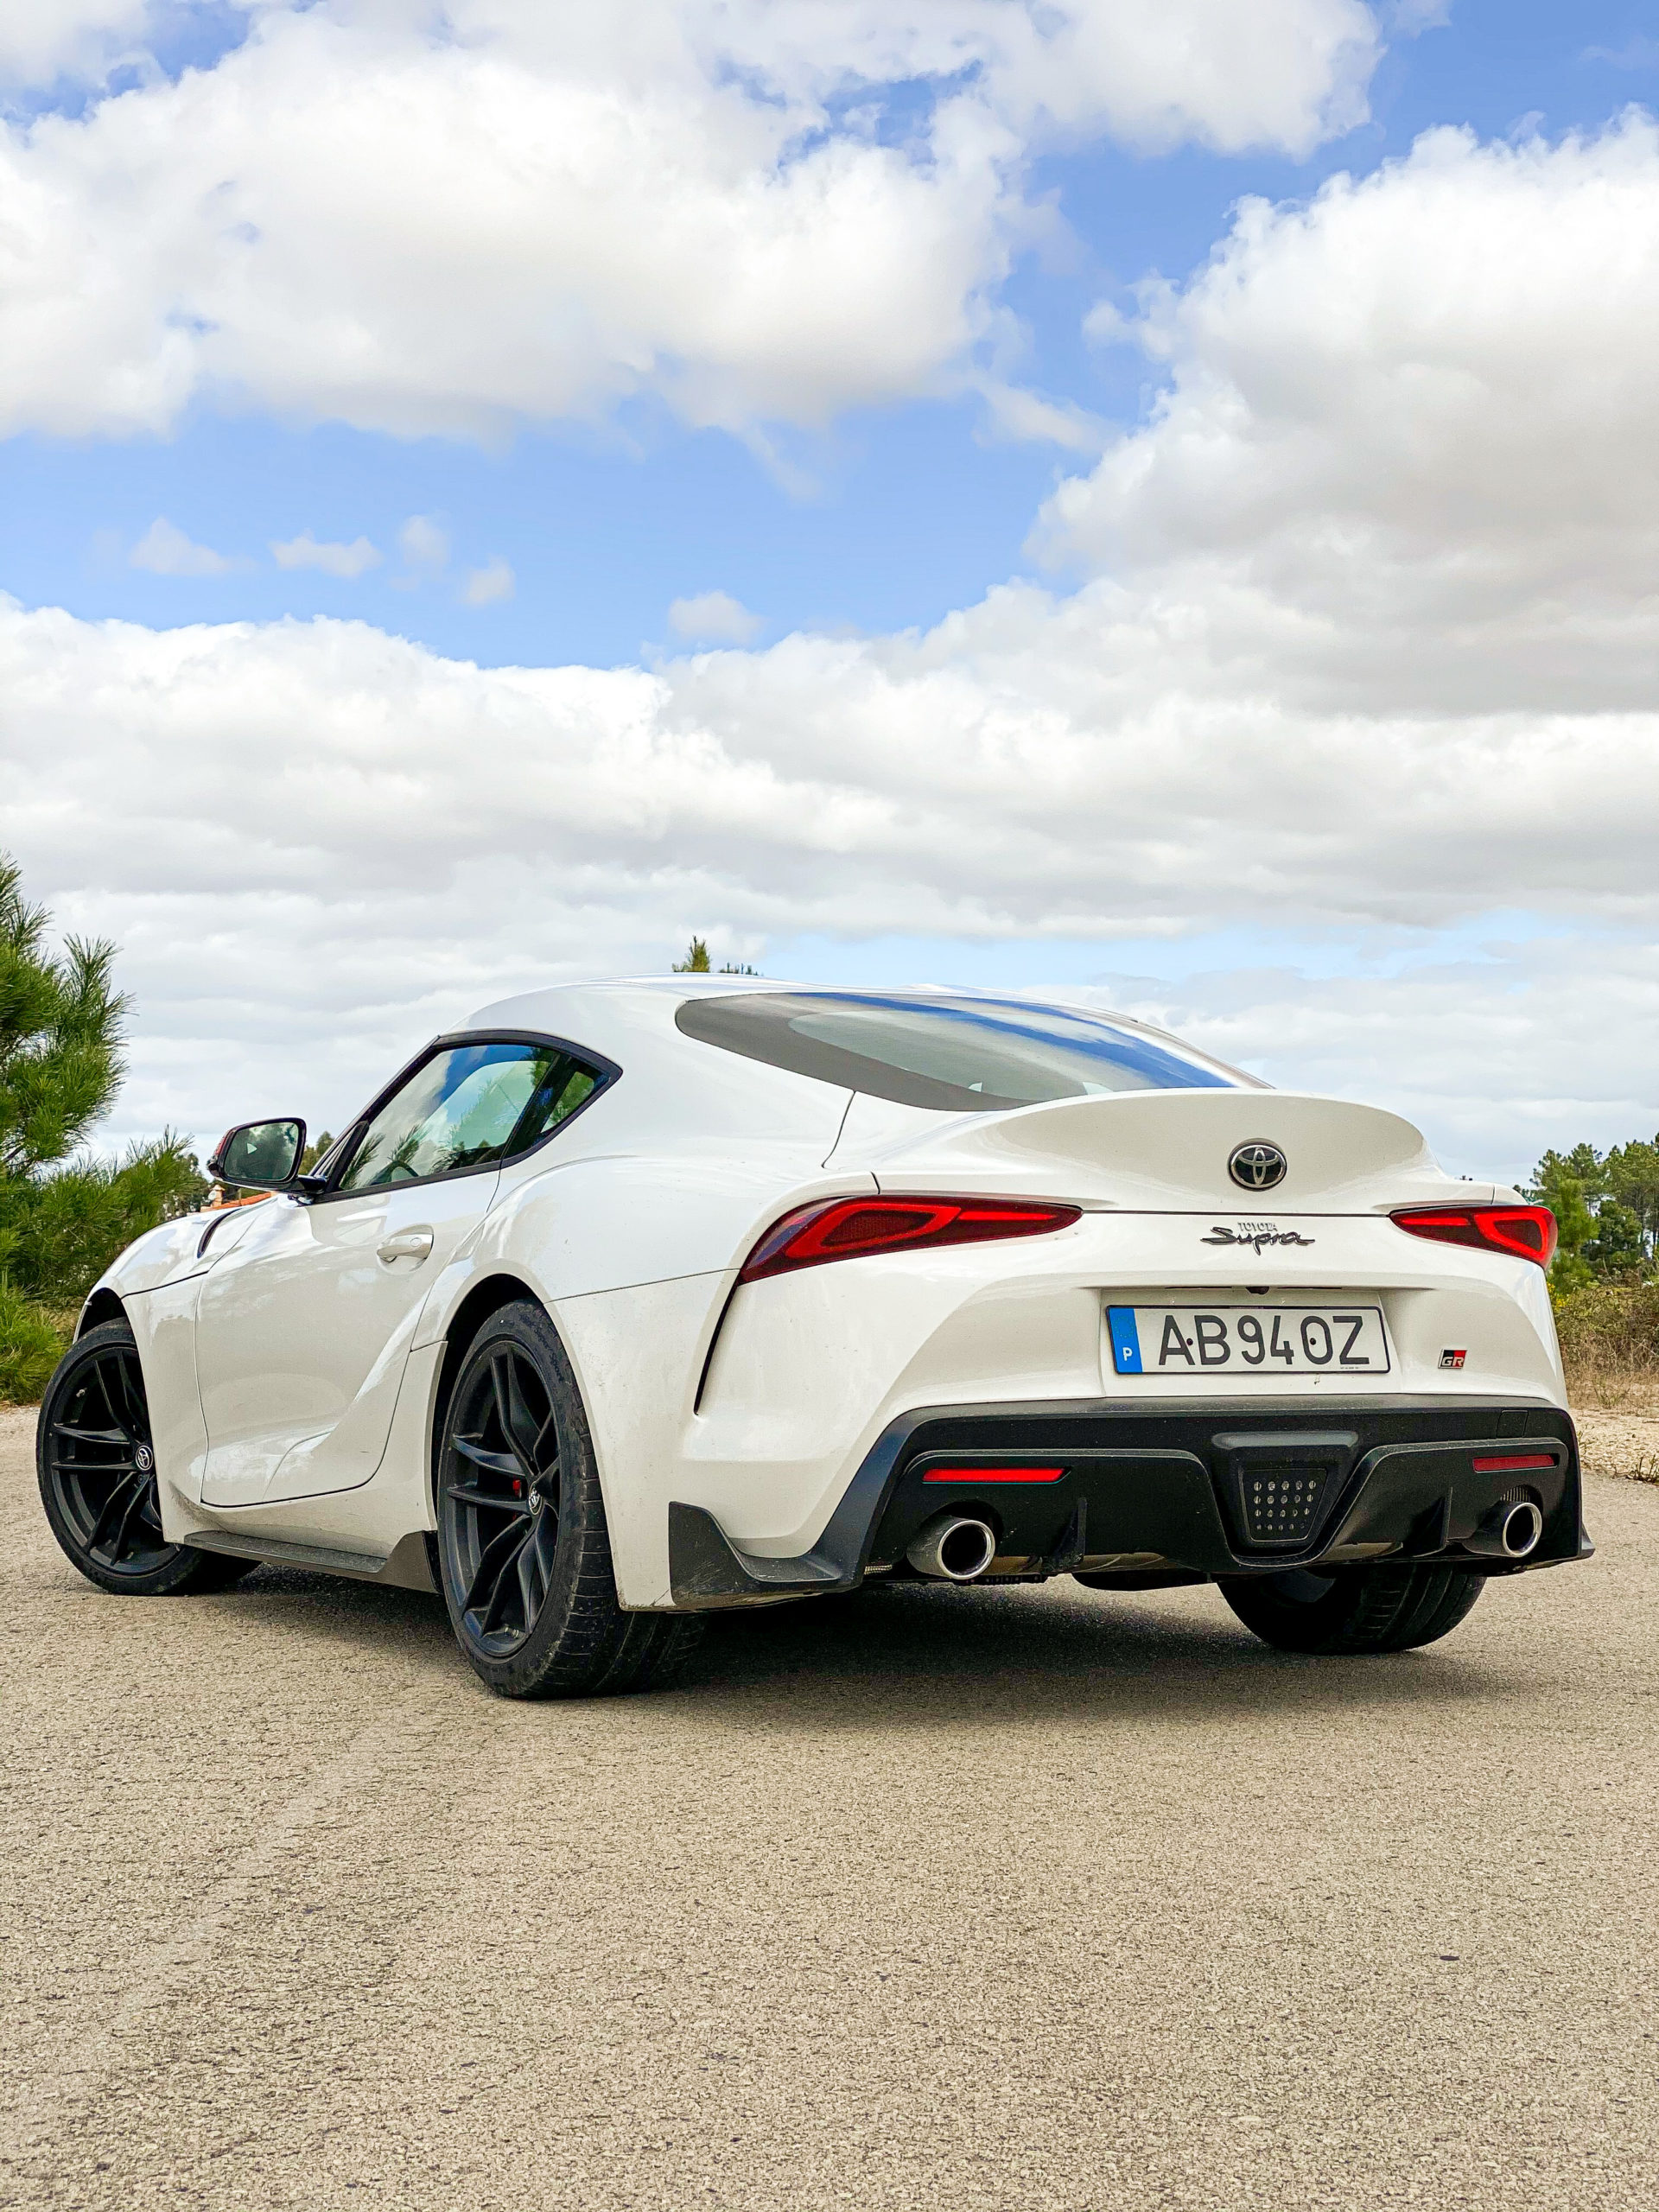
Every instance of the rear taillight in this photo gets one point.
(1519, 1232)
(852, 1229)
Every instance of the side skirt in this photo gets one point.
(406, 1567)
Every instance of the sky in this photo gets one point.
(1141, 497)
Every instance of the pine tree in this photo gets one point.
(697, 963)
(63, 1218)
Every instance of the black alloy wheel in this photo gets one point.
(523, 1545)
(96, 1458)
(1355, 1612)
(504, 1509)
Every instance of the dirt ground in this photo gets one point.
(1622, 1437)
(1012, 1899)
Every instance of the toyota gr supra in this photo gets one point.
(632, 1301)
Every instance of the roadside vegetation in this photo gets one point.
(64, 1213)
(1605, 1282)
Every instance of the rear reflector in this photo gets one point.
(850, 1229)
(1517, 1464)
(1520, 1232)
(993, 1474)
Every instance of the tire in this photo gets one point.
(524, 1551)
(99, 1482)
(1362, 1610)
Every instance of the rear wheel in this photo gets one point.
(523, 1546)
(1360, 1610)
(99, 1483)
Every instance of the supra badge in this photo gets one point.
(1257, 1234)
(1257, 1167)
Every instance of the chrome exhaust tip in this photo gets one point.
(953, 1547)
(1513, 1529)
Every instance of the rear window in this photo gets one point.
(954, 1055)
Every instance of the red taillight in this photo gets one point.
(993, 1474)
(1514, 1464)
(1522, 1232)
(850, 1229)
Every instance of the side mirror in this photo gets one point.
(260, 1155)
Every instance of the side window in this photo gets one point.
(467, 1107)
(565, 1085)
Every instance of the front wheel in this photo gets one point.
(97, 1463)
(1360, 1610)
(523, 1545)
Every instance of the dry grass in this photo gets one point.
(1617, 1411)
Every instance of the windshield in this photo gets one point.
(955, 1055)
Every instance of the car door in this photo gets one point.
(303, 1330)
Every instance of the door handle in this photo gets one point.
(408, 1244)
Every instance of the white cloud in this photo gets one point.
(1636, 53)
(423, 542)
(334, 560)
(421, 833)
(485, 586)
(166, 551)
(1421, 409)
(1500, 1056)
(713, 617)
(42, 40)
(369, 214)
(1374, 657)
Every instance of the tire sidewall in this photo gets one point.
(1368, 1611)
(182, 1562)
(582, 1543)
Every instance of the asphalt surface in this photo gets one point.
(957, 1899)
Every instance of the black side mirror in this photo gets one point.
(260, 1155)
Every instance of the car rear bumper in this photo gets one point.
(1175, 1492)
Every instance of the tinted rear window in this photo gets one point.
(954, 1055)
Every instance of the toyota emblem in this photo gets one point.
(1257, 1167)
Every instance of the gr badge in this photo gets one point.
(1452, 1358)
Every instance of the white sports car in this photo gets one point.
(634, 1301)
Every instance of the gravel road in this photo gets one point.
(915, 1899)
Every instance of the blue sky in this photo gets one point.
(888, 519)
(1287, 676)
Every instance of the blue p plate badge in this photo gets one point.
(1126, 1339)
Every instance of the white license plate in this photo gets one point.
(1247, 1339)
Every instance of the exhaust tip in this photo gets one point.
(1522, 1528)
(1513, 1529)
(953, 1547)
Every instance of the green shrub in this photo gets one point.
(1609, 1333)
(59, 1230)
(32, 1342)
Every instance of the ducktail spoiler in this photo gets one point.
(1169, 1151)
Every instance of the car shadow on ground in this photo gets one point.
(929, 1656)
(913, 1655)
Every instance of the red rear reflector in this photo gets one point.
(849, 1229)
(1516, 1465)
(993, 1474)
(1520, 1232)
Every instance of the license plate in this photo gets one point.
(1247, 1339)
